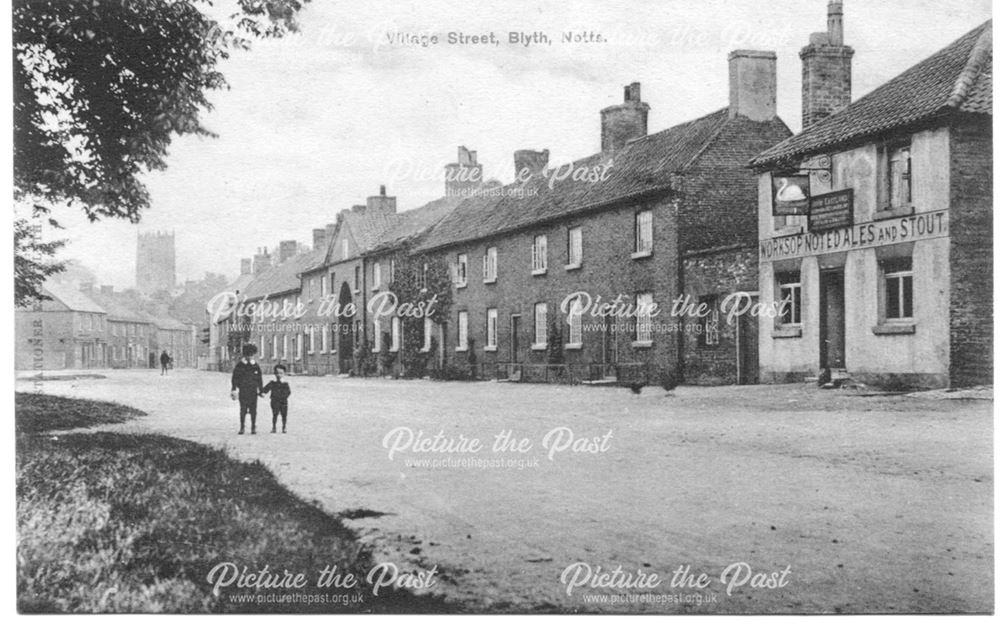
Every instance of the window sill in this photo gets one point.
(891, 212)
(376, 288)
(642, 254)
(573, 346)
(489, 281)
(461, 285)
(540, 272)
(461, 349)
(642, 344)
(895, 329)
(539, 346)
(393, 350)
(573, 266)
(489, 348)
(788, 332)
(424, 350)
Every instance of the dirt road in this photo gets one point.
(865, 504)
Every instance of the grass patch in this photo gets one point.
(36, 413)
(117, 523)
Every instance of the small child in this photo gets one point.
(279, 391)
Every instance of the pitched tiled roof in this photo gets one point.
(169, 323)
(958, 78)
(72, 298)
(281, 278)
(409, 225)
(120, 313)
(367, 226)
(643, 166)
(240, 284)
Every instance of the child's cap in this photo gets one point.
(280, 368)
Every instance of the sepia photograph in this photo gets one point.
(608, 307)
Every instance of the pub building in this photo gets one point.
(875, 223)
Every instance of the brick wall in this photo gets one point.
(720, 194)
(971, 253)
(715, 273)
(607, 271)
(826, 81)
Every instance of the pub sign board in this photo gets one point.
(831, 210)
(790, 194)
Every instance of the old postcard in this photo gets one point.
(534, 308)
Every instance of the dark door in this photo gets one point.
(515, 335)
(345, 331)
(749, 361)
(831, 319)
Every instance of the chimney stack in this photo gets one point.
(246, 267)
(753, 85)
(261, 261)
(381, 202)
(107, 290)
(319, 238)
(826, 69)
(287, 249)
(529, 163)
(464, 176)
(624, 122)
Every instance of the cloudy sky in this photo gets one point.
(316, 122)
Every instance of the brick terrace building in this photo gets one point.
(670, 214)
(894, 284)
(65, 331)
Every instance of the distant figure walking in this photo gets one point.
(165, 362)
(247, 385)
(279, 391)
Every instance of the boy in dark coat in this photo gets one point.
(247, 384)
(279, 391)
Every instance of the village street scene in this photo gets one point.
(712, 334)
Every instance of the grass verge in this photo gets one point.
(36, 413)
(115, 523)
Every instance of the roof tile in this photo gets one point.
(959, 77)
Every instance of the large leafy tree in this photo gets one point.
(100, 89)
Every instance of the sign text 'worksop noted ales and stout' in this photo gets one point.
(866, 235)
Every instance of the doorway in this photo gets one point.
(345, 330)
(515, 334)
(831, 319)
(747, 359)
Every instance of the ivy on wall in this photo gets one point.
(420, 280)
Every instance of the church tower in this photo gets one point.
(155, 264)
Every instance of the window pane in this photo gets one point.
(892, 297)
(643, 331)
(491, 327)
(541, 310)
(907, 296)
(644, 231)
